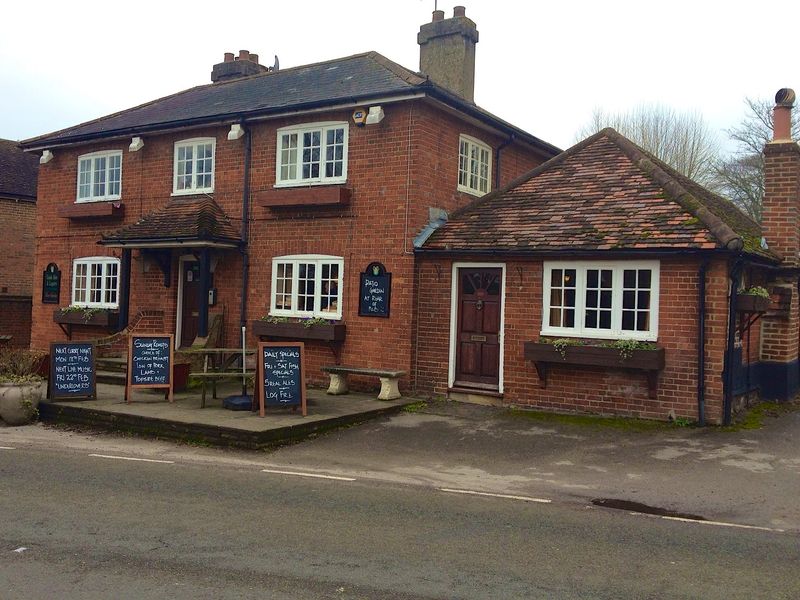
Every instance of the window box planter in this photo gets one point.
(92, 210)
(752, 304)
(542, 355)
(332, 333)
(106, 318)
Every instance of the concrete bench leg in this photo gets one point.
(338, 384)
(389, 389)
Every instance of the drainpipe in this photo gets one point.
(245, 226)
(701, 344)
(502, 146)
(727, 407)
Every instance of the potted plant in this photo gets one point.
(21, 387)
(316, 328)
(753, 299)
(85, 315)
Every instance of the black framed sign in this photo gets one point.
(281, 375)
(374, 292)
(51, 284)
(72, 370)
(150, 363)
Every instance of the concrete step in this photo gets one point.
(117, 365)
(112, 377)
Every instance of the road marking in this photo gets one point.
(724, 524)
(506, 496)
(315, 475)
(7, 448)
(150, 460)
(20, 550)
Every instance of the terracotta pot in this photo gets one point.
(19, 402)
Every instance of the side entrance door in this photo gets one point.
(190, 272)
(478, 328)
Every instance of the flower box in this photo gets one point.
(327, 332)
(97, 318)
(543, 355)
(752, 304)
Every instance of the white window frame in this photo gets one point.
(318, 260)
(323, 128)
(471, 143)
(616, 331)
(93, 177)
(193, 143)
(104, 261)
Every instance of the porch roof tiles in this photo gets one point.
(195, 220)
(604, 193)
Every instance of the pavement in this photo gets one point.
(740, 478)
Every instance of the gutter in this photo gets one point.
(557, 252)
(501, 147)
(701, 343)
(245, 235)
(727, 382)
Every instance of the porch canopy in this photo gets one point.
(195, 223)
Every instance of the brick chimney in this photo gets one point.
(447, 52)
(780, 220)
(234, 67)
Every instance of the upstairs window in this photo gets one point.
(312, 154)
(307, 286)
(609, 300)
(474, 166)
(95, 282)
(100, 176)
(194, 166)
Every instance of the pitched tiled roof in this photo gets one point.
(18, 172)
(342, 81)
(182, 220)
(604, 193)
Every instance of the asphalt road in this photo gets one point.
(74, 525)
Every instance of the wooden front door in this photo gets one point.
(478, 328)
(190, 272)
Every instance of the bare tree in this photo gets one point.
(682, 140)
(741, 176)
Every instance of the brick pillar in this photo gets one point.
(780, 375)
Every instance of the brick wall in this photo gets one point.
(587, 389)
(15, 320)
(17, 222)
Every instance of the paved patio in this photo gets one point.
(150, 414)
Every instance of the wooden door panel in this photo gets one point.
(190, 304)
(478, 334)
(469, 358)
(469, 317)
(491, 317)
(490, 360)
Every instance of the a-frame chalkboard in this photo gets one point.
(281, 375)
(72, 371)
(150, 363)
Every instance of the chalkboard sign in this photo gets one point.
(150, 363)
(72, 370)
(374, 291)
(281, 375)
(51, 284)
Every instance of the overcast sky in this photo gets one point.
(544, 66)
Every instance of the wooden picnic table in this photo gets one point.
(218, 363)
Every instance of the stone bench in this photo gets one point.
(388, 377)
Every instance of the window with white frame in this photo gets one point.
(612, 300)
(474, 166)
(95, 282)
(100, 176)
(315, 153)
(307, 286)
(194, 166)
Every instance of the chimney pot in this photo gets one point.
(782, 115)
(234, 67)
(254, 58)
(459, 11)
(244, 55)
(438, 15)
(447, 52)
(228, 57)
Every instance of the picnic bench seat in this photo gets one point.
(388, 377)
(213, 377)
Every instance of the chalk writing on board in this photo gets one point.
(150, 361)
(282, 375)
(72, 370)
(374, 291)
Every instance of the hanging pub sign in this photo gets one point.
(150, 363)
(51, 284)
(72, 371)
(281, 375)
(375, 291)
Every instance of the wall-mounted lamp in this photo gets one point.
(236, 132)
(46, 157)
(137, 144)
(375, 115)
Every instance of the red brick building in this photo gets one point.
(269, 192)
(18, 172)
(522, 292)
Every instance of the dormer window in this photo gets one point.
(312, 154)
(474, 166)
(100, 176)
(194, 166)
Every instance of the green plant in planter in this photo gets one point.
(86, 311)
(755, 290)
(271, 319)
(18, 365)
(20, 385)
(626, 347)
(314, 321)
(561, 344)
